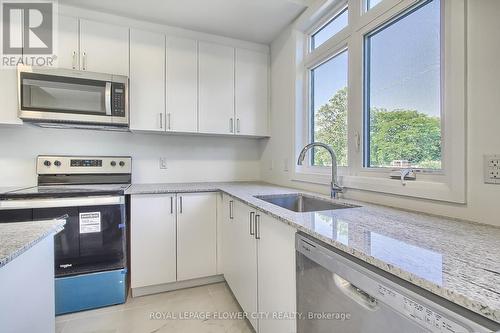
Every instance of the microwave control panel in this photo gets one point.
(118, 99)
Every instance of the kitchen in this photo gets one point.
(192, 121)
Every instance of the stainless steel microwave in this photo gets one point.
(65, 97)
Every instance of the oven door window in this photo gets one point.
(50, 93)
(66, 242)
(102, 237)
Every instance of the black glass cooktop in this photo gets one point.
(57, 191)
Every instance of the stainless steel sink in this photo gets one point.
(298, 202)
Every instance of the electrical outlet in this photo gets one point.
(492, 169)
(163, 162)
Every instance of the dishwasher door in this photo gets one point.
(336, 295)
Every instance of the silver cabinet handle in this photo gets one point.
(161, 120)
(73, 60)
(231, 209)
(252, 231)
(180, 205)
(238, 125)
(231, 125)
(257, 226)
(84, 61)
(168, 121)
(171, 205)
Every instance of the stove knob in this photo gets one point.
(122, 164)
(57, 163)
(47, 163)
(113, 163)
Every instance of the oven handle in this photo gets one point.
(107, 98)
(61, 202)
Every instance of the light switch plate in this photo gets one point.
(492, 169)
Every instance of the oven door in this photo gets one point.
(94, 237)
(72, 96)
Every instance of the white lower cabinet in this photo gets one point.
(276, 278)
(152, 240)
(259, 265)
(244, 260)
(173, 237)
(196, 235)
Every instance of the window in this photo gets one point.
(387, 90)
(403, 91)
(336, 24)
(372, 3)
(328, 87)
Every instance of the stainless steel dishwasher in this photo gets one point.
(337, 293)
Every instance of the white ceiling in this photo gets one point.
(252, 20)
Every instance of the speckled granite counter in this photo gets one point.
(18, 237)
(457, 260)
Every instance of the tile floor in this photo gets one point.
(134, 316)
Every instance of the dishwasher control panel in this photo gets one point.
(426, 317)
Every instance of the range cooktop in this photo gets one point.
(57, 191)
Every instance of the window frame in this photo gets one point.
(446, 184)
(310, 92)
(366, 93)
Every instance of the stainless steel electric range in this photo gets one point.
(90, 253)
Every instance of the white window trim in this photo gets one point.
(446, 185)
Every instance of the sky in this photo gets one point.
(404, 65)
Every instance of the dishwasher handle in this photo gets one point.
(356, 294)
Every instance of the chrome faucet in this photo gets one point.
(335, 188)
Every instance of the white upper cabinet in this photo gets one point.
(68, 55)
(252, 95)
(9, 108)
(216, 88)
(182, 85)
(104, 48)
(196, 235)
(147, 81)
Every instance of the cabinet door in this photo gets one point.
(245, 260)
(196, 235)
(251, 93)
(216, 92)
(152, 240)
(8, 86)
(147, 81)
(182, 85)
(276, 267)
(68, 53)
(228, 244)
(104, 48)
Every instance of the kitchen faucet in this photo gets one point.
(335, 188)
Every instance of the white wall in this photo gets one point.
(189, 158)
(483, 116)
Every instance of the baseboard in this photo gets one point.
(160, 288)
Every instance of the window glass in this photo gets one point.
(329, 109)
(336, 24)
(403, 91)
(372, 3)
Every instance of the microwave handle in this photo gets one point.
(107, 99)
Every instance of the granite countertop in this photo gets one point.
(457, 260)
(17, 237)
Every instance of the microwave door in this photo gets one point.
(60, 98)
(82, 96)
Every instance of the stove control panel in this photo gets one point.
(52, 165)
